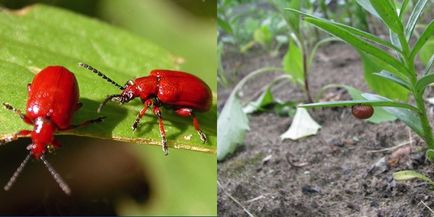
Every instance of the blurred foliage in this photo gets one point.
(186, 180)
(241, 21)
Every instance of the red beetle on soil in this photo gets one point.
(180, 91)
(52, 100)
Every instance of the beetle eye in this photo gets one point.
(130, 82)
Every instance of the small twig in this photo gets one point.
(432, 211)
(390, 148)
(235, 200)
(255, 199)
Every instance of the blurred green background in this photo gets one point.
(184, 183)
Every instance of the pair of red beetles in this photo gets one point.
(53, 97)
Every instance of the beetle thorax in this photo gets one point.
(42, 135)
(146, 87)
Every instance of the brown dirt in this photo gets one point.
(323, 175)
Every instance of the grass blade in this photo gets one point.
(386, 11)
(411, 174)
(358, 43)
(428, 66)
(382, 103)
(391, 77)
(422, 83)
(415, 14)
(354, 31)
(424, 37)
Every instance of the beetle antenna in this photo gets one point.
(56, 176)
(99, 73)
(17, 173)
(106, 100)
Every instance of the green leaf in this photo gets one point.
(422, 83)
(232, 126)
(265, 99)
(351, 38)
(302, 125)
(391, 77)
(293, 62)
(426, 35)
(366, 4)
(263, 36)
(386, 11)
(387, 88)
(379, 116)
(224, 25)
(359, 102)
(411, 174)
(293, 20)
(356, 32)
(430, 154)
(39, 36)
(415, 14)
(428, 66)
(403, 8)
(410, 118)
(426, 51)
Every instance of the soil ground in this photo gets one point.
(329, 174)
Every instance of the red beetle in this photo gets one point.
(52, 100)
(180, 91)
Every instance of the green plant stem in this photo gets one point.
(303, 48)
(424, 120)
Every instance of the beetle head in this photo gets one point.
(129, 93)
(42, 135)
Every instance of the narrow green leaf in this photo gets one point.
(39, 36)
(428, 66)
(426, 51)
(379, 116)
(411, 174)
(293, 62)
(426, 35)
(395, 39)
(386, 11)
(357, 42)
(359, 102)
(232, 125)
(265, 99)
(415, 14)
(422, 83)
(366, 4)
(403, 8)
(410, 118)
(391, 77)
(224, 25)
(355, 31)
(386, 88)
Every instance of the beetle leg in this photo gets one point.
(157, 112)
(18, 112)
(141, 113)
(15, 136)
(188, 112)
(85, 123)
